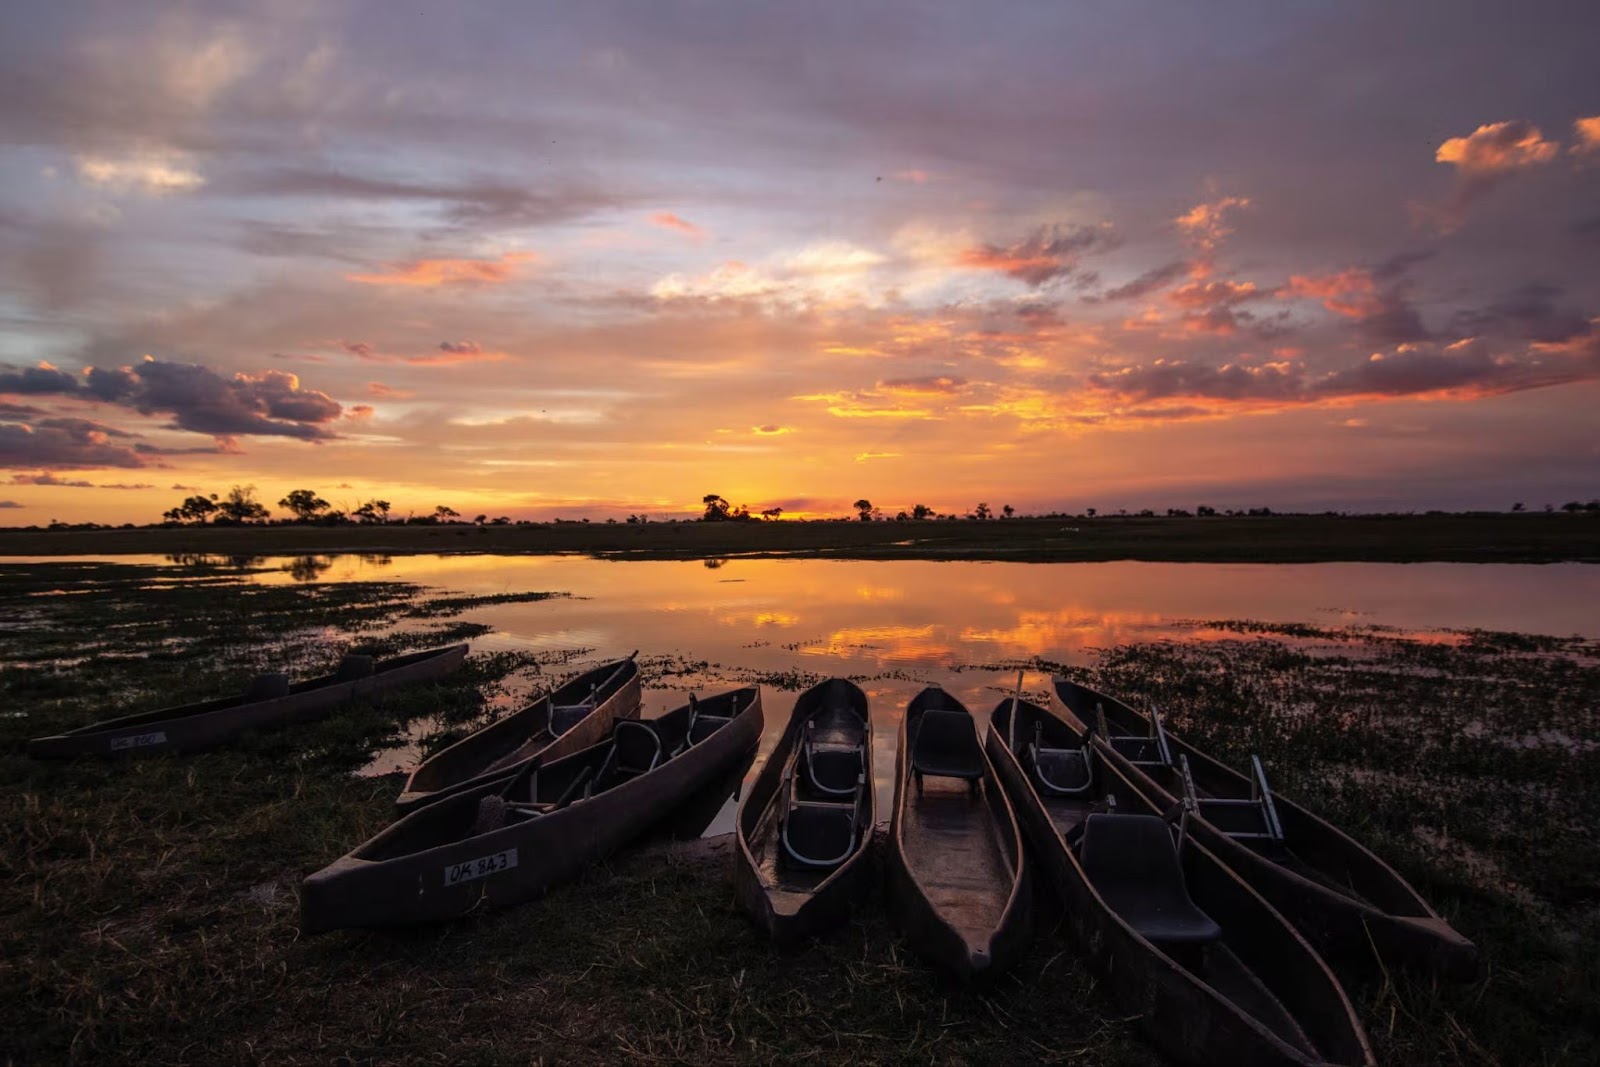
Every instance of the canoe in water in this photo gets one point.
(270, 701)
(506, 841)
(1342, 896)
(806, 824)
(575, 716)
(957, 874)
(1216, 974)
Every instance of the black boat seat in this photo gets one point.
(353, 667)
(635, 750)
(946, 746)
(819, 835)
(706, 725)
(1061, 772)
(269, 686)
(637, 746)
(1133, 864)
(564, 717)
(833, 771)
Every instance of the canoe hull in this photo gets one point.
(1187, 1019)
(472, 761)
(929, 932)
(1344, 928)
(186, 729)
(787, 916)
(516, 862)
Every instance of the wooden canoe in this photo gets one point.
(806, 824)
(505, 841)
(576, 715)
(957, 873)
(1341, 896)
(269, 701)
(1216, 974)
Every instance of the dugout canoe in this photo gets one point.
(957, 873)
(269, 701)
(805, 826)
(576, 715)
(508, 840)
(1345, 899)
(1215, 973)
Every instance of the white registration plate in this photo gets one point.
(481, 867)
(138, 741)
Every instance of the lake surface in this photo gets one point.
(896, 626)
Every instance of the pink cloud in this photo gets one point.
(436, 273)
(669, 221)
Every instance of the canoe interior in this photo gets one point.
(508, 741)
(958, 841)
(833, 716)
(241, 700)
(570, 780)
(1312, 848)
(1259, 964)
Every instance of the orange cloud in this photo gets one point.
(434, 273)
(1207, 224)
(668, 221)
(1049, 252)
(771, 430)
(1587, 131)
(1213, 294)
(943, 385)
(1351, 293)
(359, 412)
(388, 392)
(1496, 149)
(863, 457)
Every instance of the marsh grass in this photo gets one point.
(148, 907)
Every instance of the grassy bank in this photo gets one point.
(148, 907)
(1470, 538)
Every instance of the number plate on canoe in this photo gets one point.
(138, 741)
(481, 867)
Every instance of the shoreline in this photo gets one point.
(1465, 538)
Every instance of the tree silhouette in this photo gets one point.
(444, 513)
(305, 504)
(772, 513)
(864, 507)
(981, 512)
(921, 511)
(1008, 511)
(716, 508)
(241, 505)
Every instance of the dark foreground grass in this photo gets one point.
(148, 907)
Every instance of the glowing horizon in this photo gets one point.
(594, 260)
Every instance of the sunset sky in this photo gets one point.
(593, 259)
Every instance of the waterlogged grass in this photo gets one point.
(148, 907)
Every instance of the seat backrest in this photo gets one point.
(945, 733)
(638, 746)
(1129, 850)
(834, 771)
(817, 835)
(564, 717)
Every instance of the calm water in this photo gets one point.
(903, 625)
